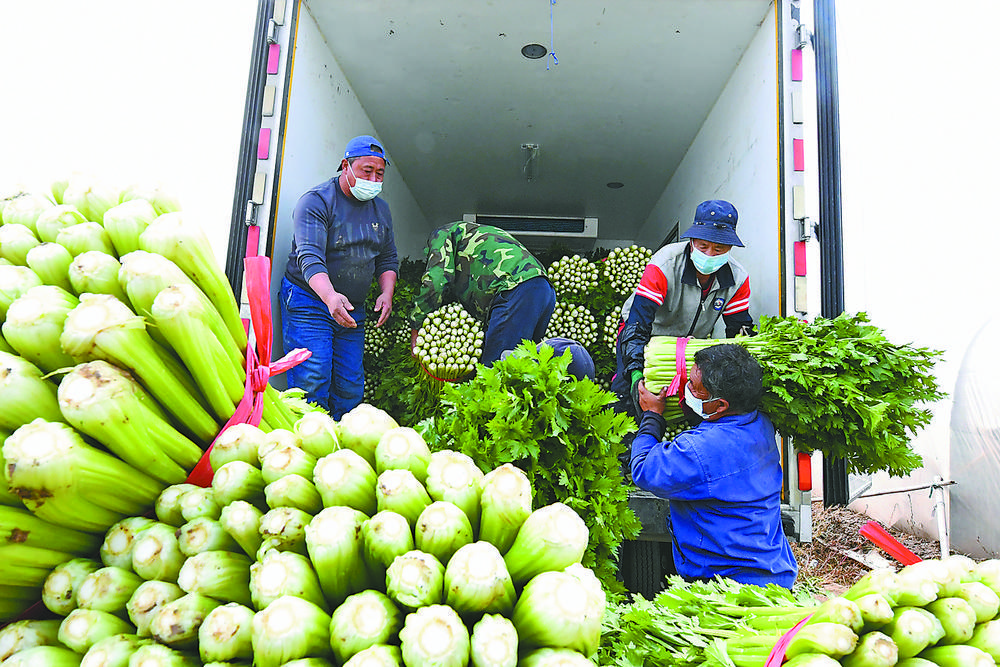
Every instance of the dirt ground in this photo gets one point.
(837, 555)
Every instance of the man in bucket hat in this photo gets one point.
(684, 290)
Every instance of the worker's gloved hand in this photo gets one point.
(634, 392)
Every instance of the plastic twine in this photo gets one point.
(680, 377)
(259, 368)
(777, 655)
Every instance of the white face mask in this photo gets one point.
(364, 190)
(695, 403)
(708, 264)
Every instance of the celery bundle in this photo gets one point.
(834, 385)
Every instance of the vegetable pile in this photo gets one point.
(575, 322)
(934, 612)
(624, 267)
(449, 342)
(834, 385)
(342, 543)
(573, 275)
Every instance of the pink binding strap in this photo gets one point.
(778, 652)
(259, 369)
(680, 379)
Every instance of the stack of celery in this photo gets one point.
(121, 355)
(345, 543)
(934, 612)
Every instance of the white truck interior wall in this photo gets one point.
(919, 219)
(734, 157)
(323, 114)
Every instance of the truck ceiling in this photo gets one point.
(454, 100)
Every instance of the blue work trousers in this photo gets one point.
(520, 313)
(334, 376)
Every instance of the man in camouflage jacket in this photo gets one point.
(495, 279)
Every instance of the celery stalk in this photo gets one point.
(384, 536)
(96, 272)
(184, 243)
(957, 617)
(560, 657)
(345, 478)
(415, 579)
(51, 262)
(293, 491)
(365, 619)
(494, 642)
(506, 504)
(333, 539)
(380, 655)
(441, 529)
(157, 553)
(91, 196)
(176, 623)
(106, 403)
(287, 527)
(239, 442)
(227, 634)
(403, 448)
(434, 636)
(983, 599)
(15, 243)
(476, 581)
(168, 503)
(957, 655)
(947, 579)
(158, 655)
(275, 439)
(317, 433)
(113, 651)
(14, 281)
(875, 610)
(242, 521)
(281, 573)
(25, 394)
(284, 460)
(147, 600)
(222, 575)
(561, 610)
(116, 549)
(454, 477)
(35, 322)
(126, 221)
(204, 534)
(102, 327)
(108, 589)
(399, 491)
(238, 480)
(551, 538)
(986, 637)
(874, 649)
(59, 591)
(910, 630)
(82, 628)
(361, 429)
(85, 237)
(19, 526)
(290, 628)
(44, 656)
(162, 200)
(199, 502)
(55, 219)
(25, 634)
(64, 480)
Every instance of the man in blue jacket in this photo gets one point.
(722, 478)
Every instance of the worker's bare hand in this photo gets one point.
(340, 308)
(383, 304)
(650, 401)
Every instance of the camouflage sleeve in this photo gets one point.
(438, 274)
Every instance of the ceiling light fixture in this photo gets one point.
(533, 51)
(614, 185)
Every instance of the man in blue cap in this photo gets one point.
(684, 290)
(342, 239)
